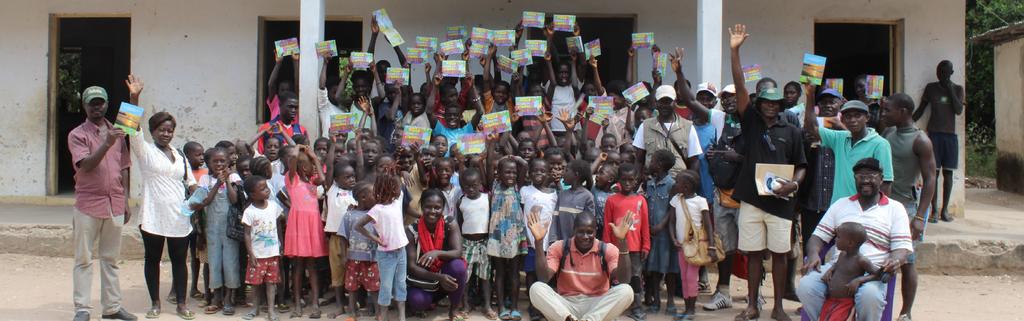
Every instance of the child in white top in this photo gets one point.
(263, 242)
(339, 197)
(390, 235)
(687, 206)
(473, 215)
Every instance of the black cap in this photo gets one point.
(868, 163)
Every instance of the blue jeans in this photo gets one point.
(911, 213)
(393, 266)
(870, 298)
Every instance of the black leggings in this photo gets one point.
(177, 247)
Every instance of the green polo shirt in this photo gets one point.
(847, 154)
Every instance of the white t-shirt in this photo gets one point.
(547, 202)
(208, 181)
(390, 224)
(717, 120)
(696, 205)
(475, 214)
(263, 224)
(692, 145)
(338, 201)
(327, 111)
(564, 99)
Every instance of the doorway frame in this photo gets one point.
(897, 39)
(51, 89)
(261, 88)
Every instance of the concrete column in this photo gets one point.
(709, 42)
(311, 30)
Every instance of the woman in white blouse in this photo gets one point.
(164, 183)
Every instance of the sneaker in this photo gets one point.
(718, 301)
(904, 317)
(121, 314)
(81, 316)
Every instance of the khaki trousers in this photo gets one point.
(87, 231)
(598, 308)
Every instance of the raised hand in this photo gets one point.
(134, 84)
(547, 55)
(576, 30)
(737, 35)
(537, 228)
(437, 80)
(622, 228)
(426, 68)
(566, 119)
(593, 62)
(347, 69)
(549, 31)
(675, 59)
(374, 27)
(631, 52)
(364, 104)
(655, 50)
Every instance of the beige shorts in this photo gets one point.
(760, 230)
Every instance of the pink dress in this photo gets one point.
(303, 236)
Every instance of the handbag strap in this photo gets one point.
(668, 137)
(686, 212)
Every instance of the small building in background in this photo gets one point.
(1008, 66)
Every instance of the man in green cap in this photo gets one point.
(101, 161)
(765, 222)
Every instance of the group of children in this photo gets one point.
(349, 196)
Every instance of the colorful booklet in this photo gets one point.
(397, 76)
(343, 123)
(286, 47)
(574, 43)
(361, 60)
(507, 65)
(528, 105)
(417, 56)
(661, 62)
(814, 68)
(522, 56)
(504, 38)
(563, 22)
(455, 33)
(474, 143)
(453, 68)
(327, 48)
(412, 135)
(128, 118)
(752, 72)
(875, 85)
(602, 108)
(427, 42)
(533, 19)
(452, 47)
(537, 48)
(496, 123)
(643, 40)
(635, 93)
(593, 48)
(834, 83)
(477, 50)
(386, 26)
(481, 35)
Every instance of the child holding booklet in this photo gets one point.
(262, 241)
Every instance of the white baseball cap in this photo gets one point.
(665, 91)
(708, 87)
(729, 89)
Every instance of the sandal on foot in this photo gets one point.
(490, 315)
(250, 315)
(195, 295)
(211, 309)
(186, 315)
(153, 313)
(229, 310)
(743, 316)
(505, 315)
(515, 316)
(295, 314)
(315, 314)
(282, 308)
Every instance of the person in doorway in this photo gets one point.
(285, 127)
(101, 161)
(946, 100)
(913, 159)
(765, 222)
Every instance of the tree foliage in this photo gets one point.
(982, 16)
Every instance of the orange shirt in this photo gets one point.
(582, 273)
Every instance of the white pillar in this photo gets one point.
(311, 30)
(709, 42)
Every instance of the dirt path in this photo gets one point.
(39, 288)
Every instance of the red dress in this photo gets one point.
(303, 236)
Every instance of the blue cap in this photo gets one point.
(830, 92)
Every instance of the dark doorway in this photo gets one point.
(347, 34)
(854, 49)
(91, 52)
(614, 33)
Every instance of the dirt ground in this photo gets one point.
(39, 288)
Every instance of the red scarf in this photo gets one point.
(431, 242)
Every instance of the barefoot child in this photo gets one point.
(304, 239)
(361, 271)
(628, 202)
(262, 241)
(390, 236)
(848, 273)
(339, 199)
(662, 265)
(473, 214)
(218, 192)
(686, 208)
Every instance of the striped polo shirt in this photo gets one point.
(886, 224)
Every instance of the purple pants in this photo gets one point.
(419, 300)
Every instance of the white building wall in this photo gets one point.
(198, 58)
(1009, 86)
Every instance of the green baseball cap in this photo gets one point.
(770, 94)
(94, 92)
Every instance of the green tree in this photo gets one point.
(982, 16)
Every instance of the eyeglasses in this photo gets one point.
(768, 140)
(867, 174)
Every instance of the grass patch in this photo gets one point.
(981, 151)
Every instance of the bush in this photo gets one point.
(981, 151)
